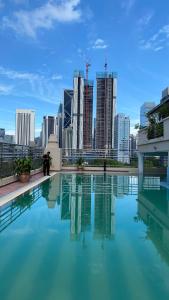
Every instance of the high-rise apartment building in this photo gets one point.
(122, 138)
(87, 114)
(165, 95)
(9, 138)
(133, 145)
(68, 100)
(145, 108)
(2, 134)
(105, 110)
(94, 133)
(77, 110)
(49, 126)
(60, 125)
(25, 126)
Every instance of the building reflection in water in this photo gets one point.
(153, 210)
(76, 204)
(87, 202)
(104, 218)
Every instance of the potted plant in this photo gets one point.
(79, 163)
(23, 168)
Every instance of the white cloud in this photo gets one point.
(38, 130)
(30, 85)
(11, 74)
(127, 5)
(20, 1)
(57, 77)
(68, 61)
(5, 89)
(29, 22)
(133, 122)
(10, 132)
(158, 41)
(145, 20)
(99, 44)
(2, 4)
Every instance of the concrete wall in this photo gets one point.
(55, 153)
(160, 144)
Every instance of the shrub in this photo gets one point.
(23, 165)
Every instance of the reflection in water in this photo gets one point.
(75, 194)
(104, 219)
(51, 191)
(14, 209)
(153, 210)
(88, 242)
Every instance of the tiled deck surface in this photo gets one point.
(12, 187)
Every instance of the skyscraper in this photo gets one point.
(133, 145)
(122, 138)
(87, 114)
(60, 125)
(68, 99)
(49, 126)
(25, 126)
(145, 108)
(77, 110)
(2, 134)
(105, 111)
(94, 133)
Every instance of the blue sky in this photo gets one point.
(43, 41)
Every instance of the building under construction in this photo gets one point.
(87, 114)
(77, 110)
(105, 110)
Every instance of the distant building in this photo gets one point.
(165, 95)
(87, 114)
(67, 140)
(9, 139)
(77, 110)
(38, 141)
(60, 125)
(25, 126)
(49, 126)
(67, 106)
(2, 134)
(105, 110)
(122, 137)
(145, 108)
(133, 145)
(94, 133)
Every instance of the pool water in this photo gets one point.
(86, 237)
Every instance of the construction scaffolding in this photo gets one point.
(87, 114)
(105, 111)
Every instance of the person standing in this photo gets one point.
(44, 164)
(48, 163)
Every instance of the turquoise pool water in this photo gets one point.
(86, 237)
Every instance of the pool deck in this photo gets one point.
(15, 189)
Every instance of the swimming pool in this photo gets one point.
(86, 237)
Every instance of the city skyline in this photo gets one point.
(40, 50)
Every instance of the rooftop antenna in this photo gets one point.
(105, 65)
(88, 65)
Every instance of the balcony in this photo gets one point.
(154, 138)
